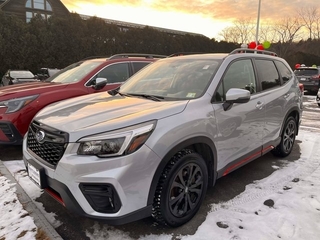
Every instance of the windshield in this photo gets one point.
(176, 78)
(74, 73)
(306, 71)
(21, 74)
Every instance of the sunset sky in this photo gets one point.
(207, 17)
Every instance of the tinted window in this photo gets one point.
(268, 74)
(240, 74)
(138, 65)
(285, 72)
(115, 73)
(306, 71)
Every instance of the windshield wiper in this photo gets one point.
(114, 92)
(151, 97)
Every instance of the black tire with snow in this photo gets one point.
(288, 137)
(181, 189)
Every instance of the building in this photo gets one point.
(26, 9)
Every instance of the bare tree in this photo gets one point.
(267, 33)
(229, 34)
(241, 32)
(310, 18)
(316, 28)
(288, 30)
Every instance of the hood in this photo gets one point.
(101, 112)
(27, 89)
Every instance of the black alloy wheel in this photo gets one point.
(181, 189)
(288, 137)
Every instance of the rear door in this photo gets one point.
(276, 81)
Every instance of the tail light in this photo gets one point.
(301, 87)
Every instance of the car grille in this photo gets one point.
(48, 149)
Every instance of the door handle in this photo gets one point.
(259, 105)
(286, 95)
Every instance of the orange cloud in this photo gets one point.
(216, 9)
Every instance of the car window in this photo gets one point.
(306, 71)
(240, 74)
(74, 73)
(138, 65)
(21, 74)
(115, 73)
(268, 74)
(285, 72)
(177, 78)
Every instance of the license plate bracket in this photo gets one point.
(37, 175)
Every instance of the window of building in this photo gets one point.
(43, 5)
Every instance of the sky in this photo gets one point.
(207, 17)
(285, 205)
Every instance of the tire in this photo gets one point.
(178, 198)
(288, 137)
(319, 104)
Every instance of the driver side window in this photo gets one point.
(116, 73)
(239, 74)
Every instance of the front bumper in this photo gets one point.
(9, 135)
(128, 177)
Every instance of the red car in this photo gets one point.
(19, 103)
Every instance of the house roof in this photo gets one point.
(136, 25)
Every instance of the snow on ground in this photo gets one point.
(285, 205)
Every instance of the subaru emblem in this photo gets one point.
(40, 135)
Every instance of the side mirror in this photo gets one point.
(236, 95)
(100, 83)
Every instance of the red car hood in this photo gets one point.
(27, 89)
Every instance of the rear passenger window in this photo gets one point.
(239, 74)
(285, 72)
(268, 74)
(138, 65)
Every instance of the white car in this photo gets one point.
(318, 98)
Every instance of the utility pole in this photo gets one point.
(258, 22)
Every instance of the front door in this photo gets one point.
(240, 129)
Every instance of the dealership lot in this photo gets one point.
(74, 227)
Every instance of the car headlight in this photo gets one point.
(16, 104)
(116, 143)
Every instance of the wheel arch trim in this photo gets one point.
(198, 141)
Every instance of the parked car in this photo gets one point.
(156, 143)
(45, 73)
(19, 104)
(18, 76)
(309, 77)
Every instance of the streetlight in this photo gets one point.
(258, 21)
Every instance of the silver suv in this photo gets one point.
(154, 145)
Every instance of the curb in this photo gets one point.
(39, 219)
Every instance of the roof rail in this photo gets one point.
(93, 57)
(127, 55)
(183, 53)
(249, 50)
